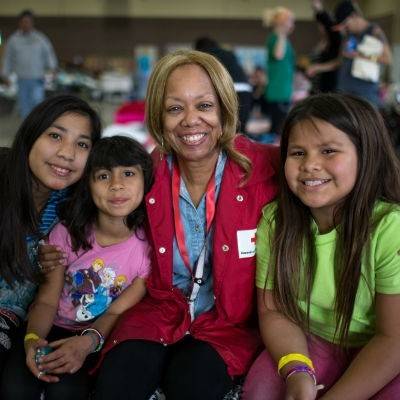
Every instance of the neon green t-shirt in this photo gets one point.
(380, 273)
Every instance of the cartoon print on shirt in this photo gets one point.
(93, 289)
(82, 312)
(84, 281)
(101, 302)
(107, 276)
(118, 287)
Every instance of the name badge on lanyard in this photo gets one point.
(197, 271)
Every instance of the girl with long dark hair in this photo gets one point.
(47, 157)
(328, 266)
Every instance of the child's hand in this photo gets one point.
(351, 54)
(312, 70)
(300, 386)
(30, 349)
(69, 354)
(50, 257)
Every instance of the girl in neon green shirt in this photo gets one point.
(328, 259)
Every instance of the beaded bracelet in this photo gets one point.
(98, 333)
(302, 368)
(294, 357)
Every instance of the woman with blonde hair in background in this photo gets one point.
(280, 65)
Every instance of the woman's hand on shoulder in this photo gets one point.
(69, 354)
(300, 386)
(50, 257)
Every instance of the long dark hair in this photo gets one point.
(378, 178)
(18, 215)
(80, 213)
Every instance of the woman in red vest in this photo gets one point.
(194, 331)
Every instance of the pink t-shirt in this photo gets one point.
(95, 277)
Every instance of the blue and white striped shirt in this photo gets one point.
(17, 298)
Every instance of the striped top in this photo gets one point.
(49, 215)
(17, 298)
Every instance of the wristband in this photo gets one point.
(302, 368)
(94, 339)
(100, 336)
(31, 336)
(294, 357)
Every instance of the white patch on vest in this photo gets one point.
(246, 243)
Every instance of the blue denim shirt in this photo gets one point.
(194, 225)
(17, 298)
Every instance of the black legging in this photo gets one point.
(190, 369)
(18, 382)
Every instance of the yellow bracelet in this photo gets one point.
(294, 357)
(31, 336)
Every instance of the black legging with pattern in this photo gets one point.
(18, 383)
(9, 326)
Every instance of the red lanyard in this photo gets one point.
(210, 211)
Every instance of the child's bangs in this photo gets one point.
(109, 155)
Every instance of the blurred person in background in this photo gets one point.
(280, 65)
(29, 54)
(242, 87)
(364, 50)
(391, 115)
(258, 80)
(327, 49)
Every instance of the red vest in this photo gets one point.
(230, 326)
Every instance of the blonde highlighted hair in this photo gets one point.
(276, 16)
(223, 86)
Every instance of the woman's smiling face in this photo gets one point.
(192, 114)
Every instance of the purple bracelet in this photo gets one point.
(302, 368)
